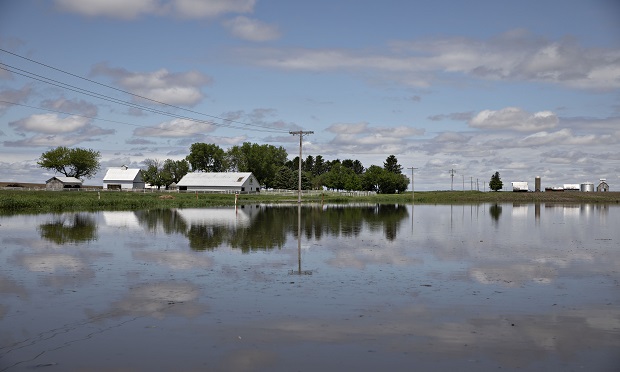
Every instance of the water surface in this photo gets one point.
(365, 287)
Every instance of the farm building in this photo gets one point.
(123, 178)
(520, 186)
(242, 182)
(602, 186)
(61, 183)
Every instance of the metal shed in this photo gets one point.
(241, 182)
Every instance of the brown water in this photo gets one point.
(429, 288)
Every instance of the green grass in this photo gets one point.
(40, 201)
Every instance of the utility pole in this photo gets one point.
(452, 171)
(412, 188)
(301, 134)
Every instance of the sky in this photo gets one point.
(457, 90)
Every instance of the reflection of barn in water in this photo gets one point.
(121, 219)
(222, 217)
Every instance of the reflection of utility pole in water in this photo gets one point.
(452, 171)
(299, 271)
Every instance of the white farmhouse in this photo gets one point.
(241, 182)
(123, 178)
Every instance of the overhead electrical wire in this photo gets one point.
(31, 75)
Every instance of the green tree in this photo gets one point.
(391, 165)
(496, 183)
(263, 161)
(372, 178)
(207, 157)
(175, 169)
(285, 179)
(153, 174)
(319, 166)
(79, 163)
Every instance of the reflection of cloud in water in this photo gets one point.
(50, 262)
(513, 275)
(126, 220)
(515, 340)
(175, 260)
(519, 211)
(249, 360)
(158, 300)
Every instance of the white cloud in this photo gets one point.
(126, 10)
(50, 124)
(513, 118)
(514, 56)
(251, 29)
(175, 128)
(160, 85)
(122, 9)
(73, 106)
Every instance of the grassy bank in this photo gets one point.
(39, 201)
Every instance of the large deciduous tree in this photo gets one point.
(207, 157)
(263, 161)
(496, 183)
(77, 162)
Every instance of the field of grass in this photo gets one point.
(39, 201)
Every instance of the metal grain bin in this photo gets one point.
(587, 187)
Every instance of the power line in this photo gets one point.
(112, 99)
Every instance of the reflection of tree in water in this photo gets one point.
(169, 220)
(267, 227)
(495, 210)
(70, 228)
(207, 238)
(350, 221)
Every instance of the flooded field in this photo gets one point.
(313, 288)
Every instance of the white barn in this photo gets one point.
(123, 178)
(242, 182)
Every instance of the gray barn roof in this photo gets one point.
(65, 180)
(213, 179)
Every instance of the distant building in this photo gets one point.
(572, 187)
(520, 186)
(602, 186)
(242, 182)
(123, 178)
(62, 183)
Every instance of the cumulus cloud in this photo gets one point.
(160, 85)
(251, 29)
(50, 124)
(175, 128)
(453, 137)
(513, 118)
(126, 10)
(514, 56)
(362, 137)
(110, 8)
(83, 134)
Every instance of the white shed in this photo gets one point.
(123, 178)
(219, 182)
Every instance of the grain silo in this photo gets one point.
(537, 184)
(587, 187)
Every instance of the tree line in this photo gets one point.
(268, 163)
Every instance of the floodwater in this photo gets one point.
(335, 288)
